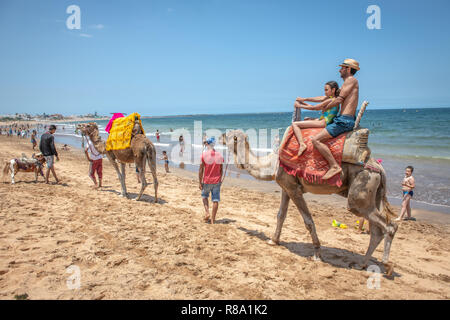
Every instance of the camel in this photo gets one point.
(140, 150)
(364, 189)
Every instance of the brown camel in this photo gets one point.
(140, 150)
(364, 189)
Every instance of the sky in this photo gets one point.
(167, 57)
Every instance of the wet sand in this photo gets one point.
(140, 250)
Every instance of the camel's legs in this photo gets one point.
(300, 202)
(119, 175)
(362, 198)
(376, 235)
(291, 186)
(124, 186)
(280, 217)
(12, 171)
(151, 158)
(141, 168)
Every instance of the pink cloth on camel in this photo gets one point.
(110, 123)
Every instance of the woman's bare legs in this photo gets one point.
(297, 126)
(298, 136)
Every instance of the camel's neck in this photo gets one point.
(99, 144)
(260, 167)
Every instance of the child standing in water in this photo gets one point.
(166, 161)
(408, 185)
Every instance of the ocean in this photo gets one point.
(400, 137)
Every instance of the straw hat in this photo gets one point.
(350, 63)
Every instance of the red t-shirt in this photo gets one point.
(212, 160)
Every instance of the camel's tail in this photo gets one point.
(388, 210)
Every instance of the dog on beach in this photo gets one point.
(35, 164)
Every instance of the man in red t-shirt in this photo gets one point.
(210, 178)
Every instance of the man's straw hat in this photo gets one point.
(350, 63)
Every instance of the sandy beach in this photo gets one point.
(140, 250)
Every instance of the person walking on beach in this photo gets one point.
(210, 178)
(95, 159)
(408, 185)
(345, 121)
(33, 139)
(48, 150)
(157, 135)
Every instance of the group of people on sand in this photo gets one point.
(338, 106)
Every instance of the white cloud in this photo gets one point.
(85, 35)
(97, 26)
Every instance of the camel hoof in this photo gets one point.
(272, 243)
(389, 268)
(316, 257)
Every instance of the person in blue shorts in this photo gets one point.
(408, 185)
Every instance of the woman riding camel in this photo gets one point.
(331, 91)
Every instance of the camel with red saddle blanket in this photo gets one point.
(362, 181)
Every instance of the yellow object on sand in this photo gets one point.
(120, 134)
(339, 225)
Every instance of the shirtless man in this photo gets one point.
(348, 99)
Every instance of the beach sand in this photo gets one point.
(140, 250)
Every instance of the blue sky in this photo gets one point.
(216, 56)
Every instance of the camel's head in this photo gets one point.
(236, 142)
(91, 130)
(87, 129)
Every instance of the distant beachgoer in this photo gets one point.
(408, 185)
(137, 175)
(361, 226)
(166, 161)
(331, 92)
(33, 139)
(181, 141)
(66, 147)
(157, 135)
(47, 147)
(276, 144)
(95, 159)
(204, 138)
(210, 178)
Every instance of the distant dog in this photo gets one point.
(35, 164)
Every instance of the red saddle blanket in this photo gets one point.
(311, 165)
